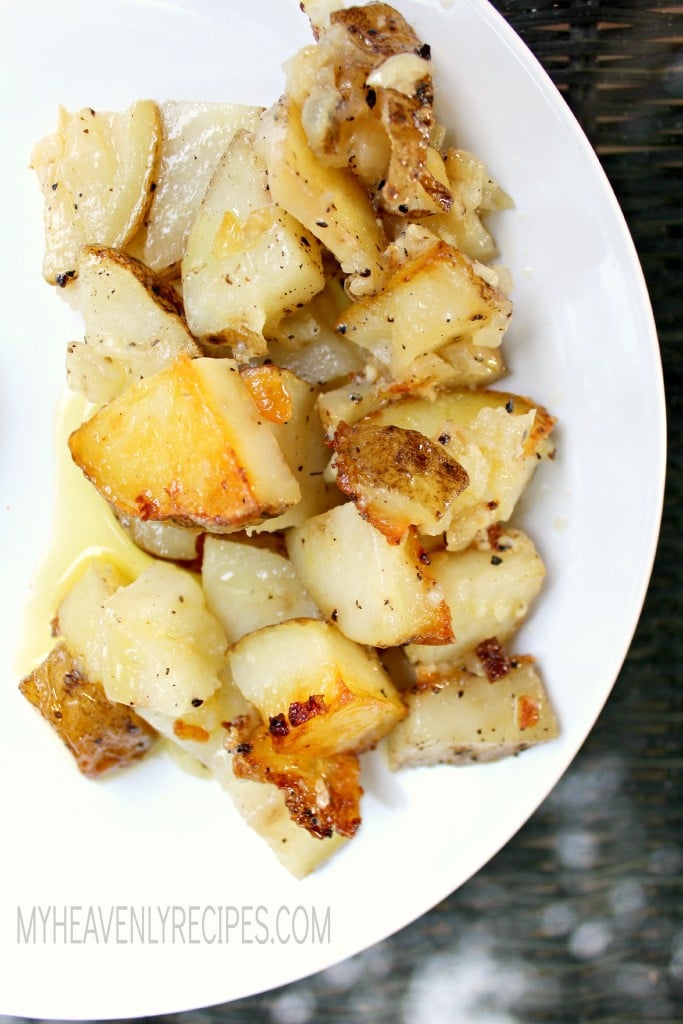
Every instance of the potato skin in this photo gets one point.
(396, 477)
(102, 736)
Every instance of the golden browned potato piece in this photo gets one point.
(188, 446)
(397, 477)
(322, 794)
(497, 436)
(321, 693)
(101, 735)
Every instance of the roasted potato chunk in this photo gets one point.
(102, 736)
(458, 717)
(499, 438)
(377, 592)
(247, 263)
(96, 172)
(322, 794)
(366, 96)
(77, 619)
(396, 477)
(329, 201)
(186, 446)
(289, 404)
(211, 734)
(319, 693)
(134, 325)
(489, 588)
(151, 643)
(161, 646)
(475, 194)
(434, 298)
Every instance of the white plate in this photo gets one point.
(582, 341)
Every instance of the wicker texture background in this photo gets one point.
(579, 918)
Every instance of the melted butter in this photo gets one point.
(401, 72)
(84, 528)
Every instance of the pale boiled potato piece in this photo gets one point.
(475, 193)
(307, 343)
(321, 693)
(202, 734)
(462, 718)
(247, 262)
(186, 446)
(497, 437)
(150, 643)
(77, 619)
(161, 647)
(248, 587)
(329, 201)
(432, 299)
(473, 366)
(163, 540)
(134, 325)
(489, 589)
(301, 441)
(322, 361)
(96, 173)
(195, 135)
(377, 592)
(318, 12)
